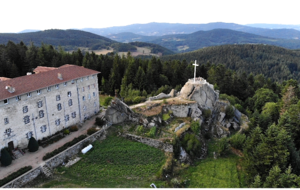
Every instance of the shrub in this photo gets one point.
(107, 100)
(91, 130)
(237, 141)
(14, 175)
(222, 146)
(128, 100)
(165, 101)
(207, 113)
(195, 126)
(229, 111)
(140, 129)
(137, 99)
(239, 107)
(152, 132)
(73, 128)
(66, 132)
(192, 145)
(99, 121)
(33, 145)
(5, 157)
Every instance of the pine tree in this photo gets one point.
(5, 157)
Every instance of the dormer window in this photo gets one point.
(29, 94)
(49, 89)
(72, 82)
(65, 83)
(18, 98)
(38, 92)
(56, 86)
(5, 101)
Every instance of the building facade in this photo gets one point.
(41, 104)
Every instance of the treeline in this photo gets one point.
(278, 64)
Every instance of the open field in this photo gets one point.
(140, 51)
(113, 163)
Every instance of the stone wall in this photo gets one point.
(151, 142)
(56, 160)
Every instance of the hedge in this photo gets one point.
(64, 147)
(15, 175)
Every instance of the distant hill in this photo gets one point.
(69, 39)
(201, 39)
(275, 26)
(153, 47)
(126, 37)
(274, 62)
(160, 29)
(28, 30)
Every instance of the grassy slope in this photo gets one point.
(114, 163)
(215, 173)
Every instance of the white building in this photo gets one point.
(43, 103)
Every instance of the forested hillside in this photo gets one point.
(273, 62)
(68, 39)
(270, 147)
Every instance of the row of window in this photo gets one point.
(89, 96)
(88, 87)
(26, 119)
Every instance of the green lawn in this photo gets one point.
(215, 173)
(113, 163)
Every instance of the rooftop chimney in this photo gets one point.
(59, 76)
(10, 89)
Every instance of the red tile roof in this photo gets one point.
(41, 69)
(30, 83)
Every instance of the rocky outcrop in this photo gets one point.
(160, 96)
(201, 92)
(185, 110)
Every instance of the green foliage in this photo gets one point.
(5, 157)
(192, 145)
(271, 109)
(74, 128)
(222, 146)
(195, 127)
(140, 129)
(229, 111)
(14, 175)
(237, 141)
(207, 113)
(152, 132)
(108, 100)
(261, 97)
(64, 147)
(240, 108)
(33, 145)
(165, 116)
(154, 47)
(66, 131)
(91, 130)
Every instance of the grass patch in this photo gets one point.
(113, 163)
(223, 172)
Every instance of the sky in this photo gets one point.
(18, 15)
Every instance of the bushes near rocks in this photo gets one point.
(66, 132)
(237, 141)
(73, 128)
(33, 145)
(64, 147)
(229, 111)
(5, 157)
(140, 129)
(99, 121)
(152, 132)
(108, 100)
(222, 146)
(15, 175)
(207, 113)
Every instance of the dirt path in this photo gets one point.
(35, 159)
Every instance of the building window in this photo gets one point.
(89, 96)
(26, 119)
(43, 128)
(87, 78)
(70, 102)
(29, 94)
(73, 114)
(8, 131)
(6, 101)
(72, 82)
(82, 89)
(65, 83)
(59, 106)
(56, 86)
(69, 94)
(57, 97)
(38, 92)
(83, 98)
(40, 104)
(6, 121)
(94, 94)
(25, 109)
(67, 118)
(29, 135)
(41, 113)
(49, 89)
(92, 76)
(57, 122)
(89, 87)
(81, 79)
(18, 98)
(84, 108)
(95, 104)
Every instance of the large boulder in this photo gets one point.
(200, 91)
(160, 96)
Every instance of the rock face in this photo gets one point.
(201, 92)
(160, 96)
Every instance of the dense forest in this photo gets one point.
(276, 63)
(271, 144)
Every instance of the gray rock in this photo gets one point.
(221, 116)
(160, 96)
(228, 125)
(235, 126)
(184, 157)
(179, 127)
(196, 113)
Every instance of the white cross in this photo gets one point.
(195, 64)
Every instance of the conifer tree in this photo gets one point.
(33, 145)
(5, 157)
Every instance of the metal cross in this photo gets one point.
(195, 64)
